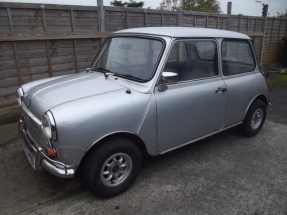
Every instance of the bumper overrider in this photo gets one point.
(38, 159)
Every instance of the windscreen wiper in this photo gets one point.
(101, 69)
(106, 71)
(129, 76)
(90, 69)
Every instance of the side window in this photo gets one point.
(193, 59)
(206, 50)
(237, 57)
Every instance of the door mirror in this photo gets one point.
(170, 77)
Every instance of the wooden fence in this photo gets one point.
(39, 41)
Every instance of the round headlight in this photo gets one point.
(20, 94)
(49, 126)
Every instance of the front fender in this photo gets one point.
(83, 122)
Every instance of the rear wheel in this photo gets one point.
(254, 119)
(112, 168)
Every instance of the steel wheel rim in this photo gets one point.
(257, 118)
(116, 169)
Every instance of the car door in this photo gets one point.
(242, 77)
(195, 106)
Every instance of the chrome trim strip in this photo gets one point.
(193, 80)
(195, 140)
(20, 94)
(51, 118)
(199, 79)
(27, 111)
(142, 121)
(71, 80)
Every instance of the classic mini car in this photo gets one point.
(148, 90)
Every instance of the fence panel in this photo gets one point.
(39, 41)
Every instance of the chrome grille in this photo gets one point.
(35, 132)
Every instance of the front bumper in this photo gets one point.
(41, 159)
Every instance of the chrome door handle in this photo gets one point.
(221, 90)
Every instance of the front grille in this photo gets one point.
(35, 132)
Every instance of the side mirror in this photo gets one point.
(267, 75)
(170, 77)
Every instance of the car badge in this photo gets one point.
(29, 103)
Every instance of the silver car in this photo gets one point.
(148, 91)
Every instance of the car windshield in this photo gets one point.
(132, 58)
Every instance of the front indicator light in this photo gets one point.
(52, 153)
(22, 116)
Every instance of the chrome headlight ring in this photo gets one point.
(20, 94)
(49, 126)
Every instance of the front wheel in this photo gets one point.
(254, 119)
(112, 168)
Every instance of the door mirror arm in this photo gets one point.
(167, 77)
(162, 85)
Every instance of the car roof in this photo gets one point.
(184, 32)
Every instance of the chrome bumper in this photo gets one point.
(41, 159)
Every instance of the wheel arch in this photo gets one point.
(252, 122)
(134, 138)
(259, 97)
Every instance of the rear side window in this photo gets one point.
(237, 57)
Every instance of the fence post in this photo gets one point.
(179, 17)
(20, 77)
(265, 8)
(44, 18)
(145, 18)
(126, 19)
(101, 16)
(10, 20)
(229, 8)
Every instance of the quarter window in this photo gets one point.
(237, 57)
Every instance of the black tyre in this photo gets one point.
(112, 168)
(254, 119)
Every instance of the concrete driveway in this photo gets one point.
(224, 174)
